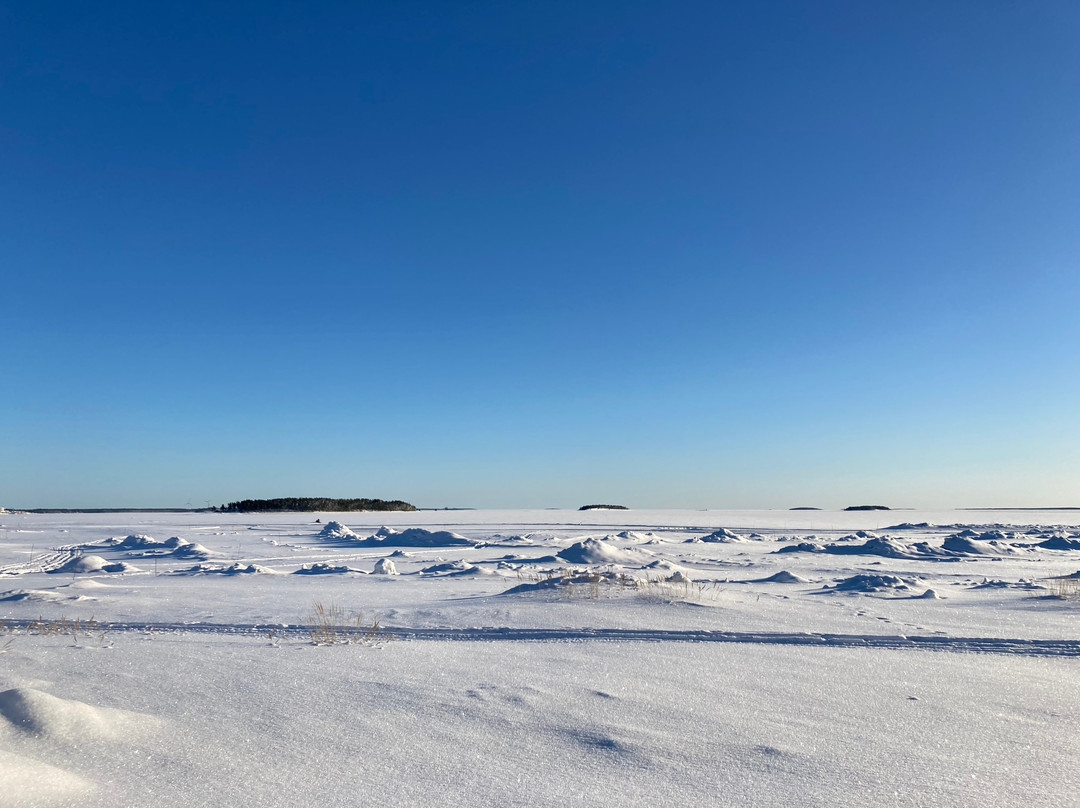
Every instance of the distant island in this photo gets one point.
(315, 504)
(804, 508)
(105, 510)
(867, 508)
(603, 508)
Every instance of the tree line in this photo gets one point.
(315, 504)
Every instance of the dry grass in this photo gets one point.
(595, 584)
(1064, 586)
(331, 625)
(76, 628)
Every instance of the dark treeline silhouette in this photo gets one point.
(603, 508)
(316, 504)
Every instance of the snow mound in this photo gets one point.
(887, 548)
(638, 537)
(968, 546)
(1060, 543)
(140, 546)
(322, 568)
(588, 584)
(783, 577)
(720, 536)
(335, 531)
(134, 542)
(87, 583)
(417, 537)
(874, 583)
(540, 537)
(997, 583)
(599, 551)
(384, 566)
(451, 568)
(857, 535)
(69, 721)
(232, 569)
(93, 564)
(499, 539)
(929, 594)
(673, 572)
(801, 547)
(192, 550)
(39, 596)
(459, 569)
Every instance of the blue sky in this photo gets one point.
(510, 255)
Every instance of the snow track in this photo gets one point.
(985, 645)
(46, 562)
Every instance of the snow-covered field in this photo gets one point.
(540, 658)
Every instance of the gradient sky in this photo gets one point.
(717, 254)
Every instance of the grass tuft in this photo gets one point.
(597, 584)
(76, 628)
(1064, 586)
(331, 625)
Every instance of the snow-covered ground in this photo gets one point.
(540, 658)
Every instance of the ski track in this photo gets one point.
(42, 563)
(986, 645)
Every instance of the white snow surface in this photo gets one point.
(576, 667)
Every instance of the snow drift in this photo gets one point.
(599, 551)
(418, 537)
(93, 564)
(720, 536)
(70, 721)
(335, 531)
(869, 584)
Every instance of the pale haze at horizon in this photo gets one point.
(679, 255)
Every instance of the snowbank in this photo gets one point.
(874, 583)
(335, 531)
(599, 551)
(93, 564)
(70, 721)
(720, 536)
(416, 537)
(231, 569)
(384, 566)
(322, 568)
(141, 546)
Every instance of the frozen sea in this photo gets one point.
(540, 657)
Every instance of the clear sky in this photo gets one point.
(663, 254)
